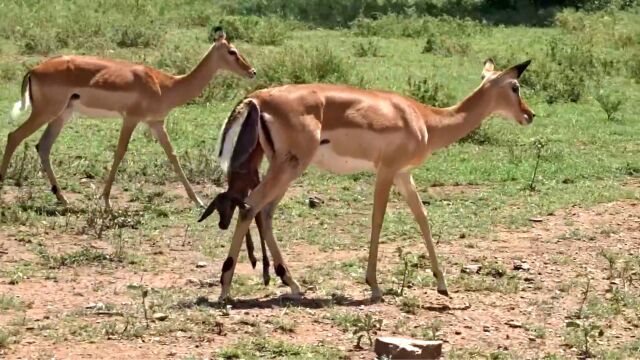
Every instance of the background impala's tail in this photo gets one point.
(239, 135)
(21, 105)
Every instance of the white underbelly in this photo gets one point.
(95, 112)
(328, 160)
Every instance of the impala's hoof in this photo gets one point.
(444, 292)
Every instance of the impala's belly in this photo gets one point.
(326, 159)
(95, 112)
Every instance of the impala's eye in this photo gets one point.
(233, 52)
(515, 88)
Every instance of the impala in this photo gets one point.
(344, 130)
(97, 87)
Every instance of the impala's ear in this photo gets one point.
(489, 67)
(517, 70)
(219, 34)
(210, 209)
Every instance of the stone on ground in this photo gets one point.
(401, 348)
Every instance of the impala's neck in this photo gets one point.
(187, 87)
(448, 125)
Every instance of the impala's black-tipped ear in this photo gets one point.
(209, 210)
(520, 68)
(219, 34)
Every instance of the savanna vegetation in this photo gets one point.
(560, 195)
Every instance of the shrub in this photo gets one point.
(137, 35)
(370, 48)
(256, 30)
(299, 65)
(610, 103)
(430, 92)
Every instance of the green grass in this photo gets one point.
(590, 152)
(262, 348)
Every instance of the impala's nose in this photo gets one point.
(252, 73)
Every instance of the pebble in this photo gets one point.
(201, 264)
(160, 316)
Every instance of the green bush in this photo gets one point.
(256, 30)
(308, 64)
(430, 92)
(369, 48)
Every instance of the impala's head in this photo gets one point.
(228, 56)
(226, 204)
(505, 91)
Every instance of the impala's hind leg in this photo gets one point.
(44, 150)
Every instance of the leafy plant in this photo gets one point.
(430, 92)
(365, 327)
(610, 103)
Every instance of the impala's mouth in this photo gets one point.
(252, 73)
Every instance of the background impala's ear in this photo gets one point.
(489, 66)
(219, 34)
(238, 202)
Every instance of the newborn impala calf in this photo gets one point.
(241, 181)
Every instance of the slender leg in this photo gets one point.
(265, 258)
(44, 150)
(404, 182)
(35, 121)
(275, 183)
(384, 180)
(160, 133)
(278, 261)
(250, 250)
(121, 149)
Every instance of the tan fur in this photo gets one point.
(100, 87)
(393, 132)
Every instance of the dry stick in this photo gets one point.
(535, 170)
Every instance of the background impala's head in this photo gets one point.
(505, 91)
(225, 203)
(228, 56)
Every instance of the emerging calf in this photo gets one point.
(344, 130)
(241, 180)
(98, 87)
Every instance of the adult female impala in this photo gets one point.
(99, 87)
(343, 130)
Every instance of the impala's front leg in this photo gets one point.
(160, 133)
(407, 188)
(270, 191)
(384, 180)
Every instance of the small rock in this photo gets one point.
(532, 338)
(486, 328)
(29, 341)
(201, 264)
(315, 201)
(572, 324)
(172, 353)
(400, 348)
(160, 317)
(513, 324)
(457, 332)
(535, 219)
(521, 266)
(472, 269)
(193, 281)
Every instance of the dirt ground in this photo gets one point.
(559, 252)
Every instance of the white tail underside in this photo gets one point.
(231, 138)
(19, 107)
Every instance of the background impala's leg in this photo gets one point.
(160, 133)
(404, 182)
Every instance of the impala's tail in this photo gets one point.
(239, 135)
(21, 105)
